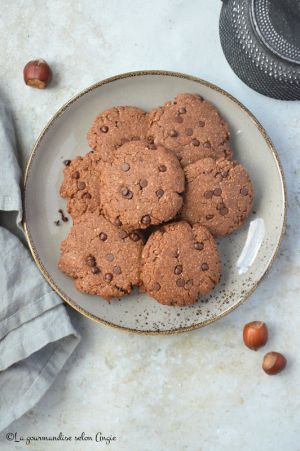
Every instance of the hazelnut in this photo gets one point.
(255, 334)
(37, 74)
(273, 363)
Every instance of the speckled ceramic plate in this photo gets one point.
(246, 255)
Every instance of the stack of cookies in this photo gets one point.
(148, 200)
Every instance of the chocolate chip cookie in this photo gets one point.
(114, 127)
(103, 259)
(141, 186)
(219, 195)
(179, 263)
(191, 127)
(81, 185)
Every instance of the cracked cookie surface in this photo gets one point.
(141, 186)
(179, 263)
(191, 127)
(114, 127)
(81, 185)
(218, 195)
(103, 259)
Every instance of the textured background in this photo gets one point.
(197, 391)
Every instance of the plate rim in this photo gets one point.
(35, 148)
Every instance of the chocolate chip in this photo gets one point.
(199, 246)
(104, 129)
(207, 145)
(95, 270)
(156, 286)
(57, 223)
(244, 191)
(195, 142)
(124, 191)
(152, 146)
(75, 175)
(146, 220)
(90, 260)
(182, 110)
(103, 236)
(134, 236)
(180, 282)
(81, 185)
(143, 183)
(108, 276)
(117, 270)
(223, 211)
(220, 206)
(129, 195)
(189, 131)
(201, 123)
(125, 167)
(178, 269)
(224, 174)
(208, 194)
(109, 257)
(123, 234)
(217, 191)
(118, 222)
(162, 168)
(62, 215)
(208, 217)
(87, 196)
(179, 119)
(160, 193)
(173, 133)
(150, 139)
(67, 162)
(204, 267)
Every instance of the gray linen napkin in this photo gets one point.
(36, 335)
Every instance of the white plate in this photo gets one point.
(246, 255)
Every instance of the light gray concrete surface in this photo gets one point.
(197, 391)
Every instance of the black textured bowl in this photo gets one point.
(261, 42)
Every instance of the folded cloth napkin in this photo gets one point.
(36, 335)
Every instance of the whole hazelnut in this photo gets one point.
(255, 334)
(37, 73)
(273, 363)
